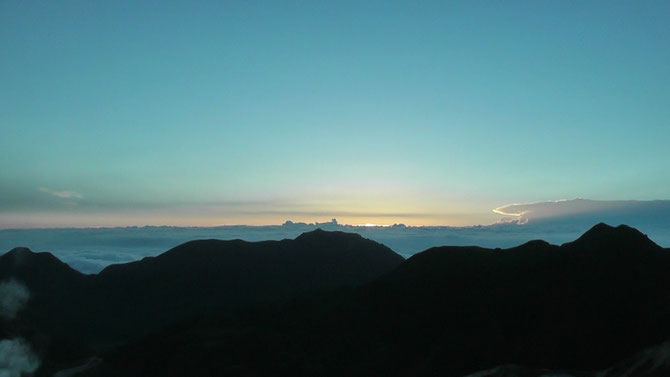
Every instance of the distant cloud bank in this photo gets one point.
(90, 250)
(628, 211)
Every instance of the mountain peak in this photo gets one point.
(603, 234)
(21, 250)
(19, 255)
(602, 230)
(535, 244)
(23, 257)
(320, 234)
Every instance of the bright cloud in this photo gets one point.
(603, 210)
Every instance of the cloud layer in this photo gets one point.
(628, 211)
(90, 250)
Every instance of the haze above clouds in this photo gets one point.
(90, 250)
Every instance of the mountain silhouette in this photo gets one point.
(54, 287)
(21, 262)
(204, 275)
(447, 311)
(125, 301)
(609, 238)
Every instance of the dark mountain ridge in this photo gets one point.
(125, 301)
(331, 304)
(214, 275)
(583, 305)
(447, 311)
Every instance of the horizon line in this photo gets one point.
(287, 223)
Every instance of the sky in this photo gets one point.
(117, 113)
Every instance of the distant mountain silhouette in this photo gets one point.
(447, 311)
(623, 238)
(128, 300)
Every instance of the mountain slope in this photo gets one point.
(53, 286)
(128, 300)
(213, 275)
(447, 311)
(650, 362)
(583, 305)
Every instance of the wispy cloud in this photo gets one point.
(628, 211)
(521, 209)
(63, 194)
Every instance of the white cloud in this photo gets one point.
(632, 212)
(543, 209)
(63, 194)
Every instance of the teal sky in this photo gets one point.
(202, 113)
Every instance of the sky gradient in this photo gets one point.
(206, 113)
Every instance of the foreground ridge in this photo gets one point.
(332, 304)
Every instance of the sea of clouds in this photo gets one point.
(90, 250)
